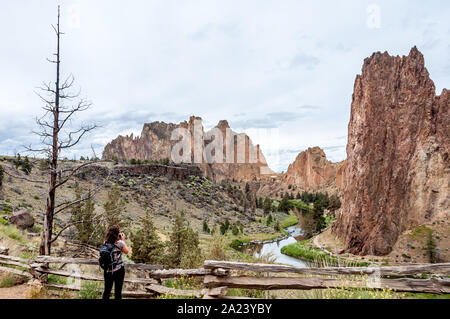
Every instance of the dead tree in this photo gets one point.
(57, 135)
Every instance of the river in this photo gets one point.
(274, 249)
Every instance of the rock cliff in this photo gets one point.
(241, 160)
(397, 171)
(311, 171)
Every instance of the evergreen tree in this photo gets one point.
(205, 227)
(183, 246)
(113, 208)
(267, 205)
(82, 214)
(277, 226)
(26, 166)
(146, 245)
(235, 230)
(1, 176)
(284, 206)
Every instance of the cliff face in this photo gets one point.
(397, 172)
(311, 171)
(241, 159)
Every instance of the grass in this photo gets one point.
(8, 281)
(54, 279)
(13, 232)
(3, 221)
(289, 221)
(300, 250)
(90, 290)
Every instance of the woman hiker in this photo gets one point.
(116, 273)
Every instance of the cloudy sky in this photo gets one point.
(282, 71)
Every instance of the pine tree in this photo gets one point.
(1, 176)
(267, 205)
(113, 208)
(146, 245)
(206, 227)
(183, 246)
(284, 204)
(84, 218)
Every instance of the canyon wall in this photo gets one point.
(397, 171)
(311, 171)
(241, 160)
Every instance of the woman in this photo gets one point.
(115, 275)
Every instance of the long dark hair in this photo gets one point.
(113, 234)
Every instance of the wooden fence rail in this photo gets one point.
(221, 275)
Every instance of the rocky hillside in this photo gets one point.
(397, 173)
(311, 171)
(241, 161)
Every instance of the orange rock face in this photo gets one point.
(241, 160)
(311, 171)
(397, 172)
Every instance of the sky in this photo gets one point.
(281, 71)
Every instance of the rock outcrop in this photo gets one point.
(23, 219)
(311, 171)
(241, 160)
(397, 172)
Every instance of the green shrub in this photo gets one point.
(90, 290)
(8, 281)
(54, 279)
(3, 221)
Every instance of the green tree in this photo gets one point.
(146, 244)
(285, 206)
(235, 230)
(269, 220)
(277, 226)
(267, 205)
(206, 227)
(183, 246)
(113, 208)
(26, 166)
(83, 217)
(431, 247)
(1, 176)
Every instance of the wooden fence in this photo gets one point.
(218, 276)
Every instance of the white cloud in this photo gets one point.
(166, 60)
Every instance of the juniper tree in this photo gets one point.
(146, 244)
(113, 208)
(85, 220)
(183, 245)
(1, 176)
(267, 205)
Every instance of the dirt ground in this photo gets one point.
(16, 292)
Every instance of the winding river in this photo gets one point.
(274, 249)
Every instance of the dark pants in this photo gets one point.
(117, 278)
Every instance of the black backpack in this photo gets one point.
(106, 259)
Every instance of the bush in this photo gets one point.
(217, 249)
(8, 281)
(90, 290)
(146, 245)
(238, 244)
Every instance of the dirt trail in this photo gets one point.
(16, 292)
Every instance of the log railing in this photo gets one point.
(218, 276)
(334, 277)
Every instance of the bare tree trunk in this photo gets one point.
(45, 247)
